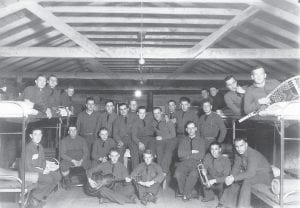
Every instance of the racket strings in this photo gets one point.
(287, 92)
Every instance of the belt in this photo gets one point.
(210, 138)
(88, 133)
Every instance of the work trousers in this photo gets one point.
(134, 151)
(142, 190)
(164, 151)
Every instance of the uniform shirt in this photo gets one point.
(249, 164)
(217, 101)
(183, 117)
(74, 148)
(122, 126)
(88, 124)
(38, 96)
(150, 172)
(217, 168)
(118, 170)
(211, 125)
(235, 102)
(165, 129)
(142, 128)
(254, 93)
(35, 157)
(66, 100)
(101, 148)
(54, 97)
(187, 145)
(107, 120)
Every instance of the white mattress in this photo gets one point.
(286, 110)
(16, 109)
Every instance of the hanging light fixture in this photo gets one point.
(141, 60)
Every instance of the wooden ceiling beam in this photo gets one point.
(156, 1)
(216, 36)
(136, 76)
(150, 53)
(10, 8)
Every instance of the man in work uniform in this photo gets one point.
(121, 192)
(54, 98)
(148, 176)
(165, 140)
(190, 151)
(108, 117)
(87, 123)
(211, 125)
(38, 95)
(74, 153)
(143, 132)
(218, 167)
(250, 167)
(171, 113)
(122, 134)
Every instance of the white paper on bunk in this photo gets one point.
(289, 109)
(13, 109)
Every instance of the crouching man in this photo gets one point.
(148, 177)
(114, 184)
(250, 167)
(74, 153)
(35, 162)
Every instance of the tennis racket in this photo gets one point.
(287, 91)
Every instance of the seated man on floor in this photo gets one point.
(148, 176)
(35, 162)
(121, 190)
(74, 153)
(218, 168)
(190, 151)
(250, 167)
(102, 146)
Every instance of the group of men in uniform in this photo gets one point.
(99, 141)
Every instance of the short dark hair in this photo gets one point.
(206, 101)
(215, 143)
(36, 129)
(88, 99)
(204, 90)
(185, 99)
(102, 129)
(40, 75)
(70, 87)
(72, 125)
(142, 108)
(114, 150)
(157, 108)
(148, 152)
(109, 101)
(228, 77)
(240, 139)
(52, 75)
(172, 101)
(257, 67)
(190, 122)
(121, 104)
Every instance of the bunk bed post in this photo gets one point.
(281, 161)
(233, 130)
(23, 162)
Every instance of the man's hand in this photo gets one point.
(158, 138)
(92, 183)
(76, 163)
(240, 90)
(48, 113)
(147, 183)
(229, 180)
(141, 146)
(173, 120)
(120, 144)
(46, 171)
(212, 182)
(127, 179)
(195, 151)
(264, 101)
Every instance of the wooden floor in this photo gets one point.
(75, 198)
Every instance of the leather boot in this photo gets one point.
(66, 182)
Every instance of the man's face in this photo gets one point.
(142, 113)
(185, 105)
(204, 94)
(90, 105)
(213, 91)
(148, 158)
(241, 146)
(103, 134)
(123, 110)
(258, 75)
(70, 92)
(72, 131)
(114, 157)
(52, 82)
(133, 105)
(191, 129)
(207, 107)
(40, 82)
(172, 107)
(215, 151)
(36, 136)
(231, 84)
(157, 114)
(109, 107)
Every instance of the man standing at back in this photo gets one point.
(108, 117)
(87, 123)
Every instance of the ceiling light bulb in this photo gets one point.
(138, 93)
(142, 61)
